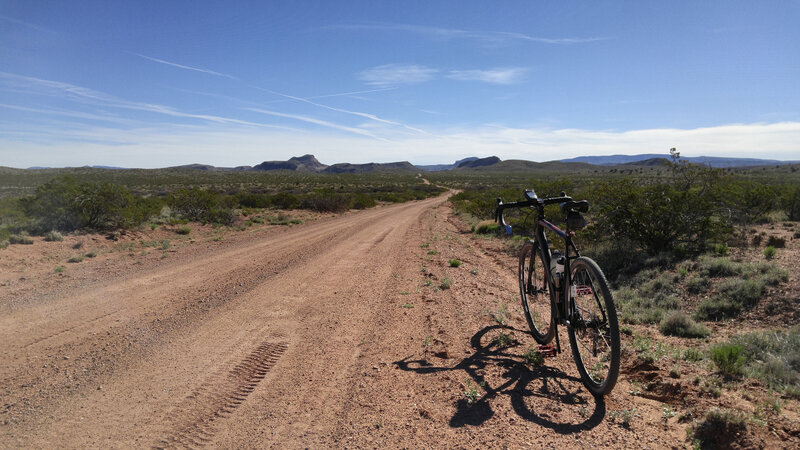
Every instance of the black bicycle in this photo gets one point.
(567, 289)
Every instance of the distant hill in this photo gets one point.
(713, 161)
(440, 167)
(395, 167)
(653, 162)
(305, 163)
(494, 164)
(482, 162)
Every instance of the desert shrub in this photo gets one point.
(657, 217)
(64, 204)
(770, 252)
(533, 356)
(327, 201)
(729, 358)
(733, 296)
(202, 205)
(677, 323)
(363, 201)
(777, 242)
(721, 249)
(697, 285)
(719, 428)
(637, 307)
(487, 227)
(21, 238)
(718, 267)
(254, 200)
(745, 292)
(773, 356)
(774, 276)
(618, 258)
(53, 236)
(446, 283)
(717, 308)
(285, 200)
(183, 230)
(454, 263)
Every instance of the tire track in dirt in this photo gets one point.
(195, 420)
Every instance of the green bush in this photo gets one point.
(697, 285)
(285, 200)
(363, 201)
(254, 200)
(677, 323)
(658, 217)
(446, 283)
(201, 205)
(454, 263)
(745, 292)
(53, 236)
(183, 230)
(64, 204)
(21, 238)
(718, 267)
(773, 357)
(327, 201)
(533, 356)
(719, 428)
(770, 252)
(717, 308)
(729, 358)
(487, 227)
(636, 307)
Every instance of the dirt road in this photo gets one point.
(348, 331)
(178, 354)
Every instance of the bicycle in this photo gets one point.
(573, 288)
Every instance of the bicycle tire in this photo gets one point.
(594, 329)
(535, 289)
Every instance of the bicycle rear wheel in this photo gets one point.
(593, 329)
(536, 291)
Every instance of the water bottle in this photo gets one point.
(557, 268)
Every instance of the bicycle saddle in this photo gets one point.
(581, 206)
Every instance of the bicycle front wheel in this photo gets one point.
(535, 290)
(593, 329)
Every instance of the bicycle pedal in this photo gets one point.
(547, 351)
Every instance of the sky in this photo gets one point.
(163, 83)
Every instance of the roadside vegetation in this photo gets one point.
(694, 255)
(111, 200)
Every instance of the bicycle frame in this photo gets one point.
(564, 304)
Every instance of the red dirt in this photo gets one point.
(325, 334)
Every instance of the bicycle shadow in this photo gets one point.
(545, 386)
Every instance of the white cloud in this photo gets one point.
(316, 122)
(86, 96)
(509, 75)
(486, 37)
(181, 66)
(230, 145)
(394, 74)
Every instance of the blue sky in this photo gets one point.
(155, 84)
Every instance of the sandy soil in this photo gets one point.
(333, 333)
